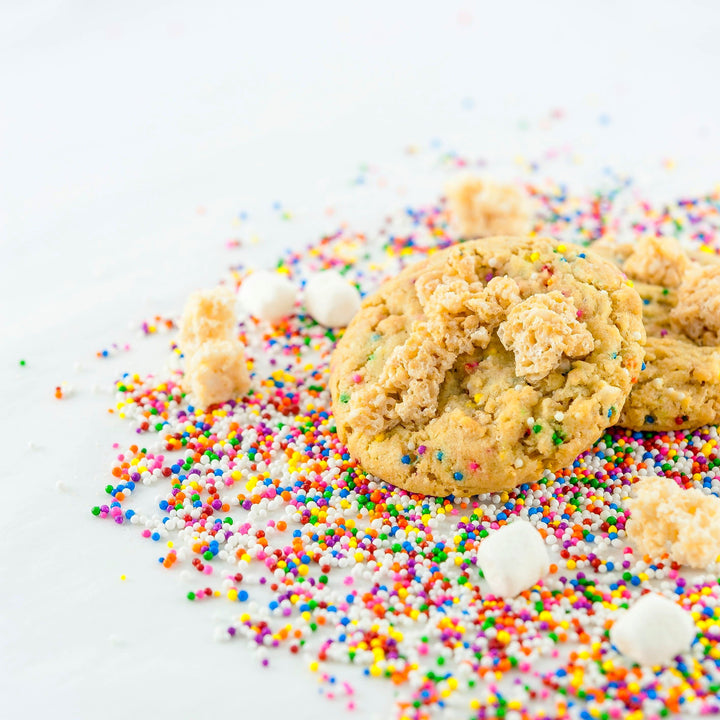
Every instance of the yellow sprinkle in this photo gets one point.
(123, 577)
(535, 256)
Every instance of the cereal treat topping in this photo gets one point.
(657, 260)
(664, 518)
(541, 331)
(215, 368)
(217, 372)
(481, 208)
(485, 364)
(697, 312)
(208, 315)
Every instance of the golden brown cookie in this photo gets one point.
(679, 386)
(482, 366)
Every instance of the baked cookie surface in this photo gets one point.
(679, 386)
(485, 364)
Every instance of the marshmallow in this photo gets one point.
(268, 296)
(331, 300)
(653, 631)
(217, 372)
(513, 558)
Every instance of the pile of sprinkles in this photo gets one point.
(264, 508)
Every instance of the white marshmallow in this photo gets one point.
(268, 296)
(331, 300)
(653, 631)
(513, 558)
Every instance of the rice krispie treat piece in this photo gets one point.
(430, 395)
(215, 367)
(481, 208)
(208, 315)
(658, 261)
(540, 330)
(664, 518)
(217, 371)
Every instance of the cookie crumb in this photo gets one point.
(540, 330)
(664, 518)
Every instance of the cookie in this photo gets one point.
(489, 362)
(679, 386)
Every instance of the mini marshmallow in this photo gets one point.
(217, 372)
(268, 296)
(513, 558)
(653, 631)
(331, 300)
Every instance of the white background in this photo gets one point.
(131, 135)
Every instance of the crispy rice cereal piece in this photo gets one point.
(664, 518)
(208, 315)
(697, 312)
(481, 208)
(540, 331)
(217, 372)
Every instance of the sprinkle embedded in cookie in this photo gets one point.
(657, 260)
(481, 208)
(540, 331)
(697, 312)
(426, 396)
(664, 518)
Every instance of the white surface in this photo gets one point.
(118, 121)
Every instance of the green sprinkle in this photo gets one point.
(22, 363)
(537, 428)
